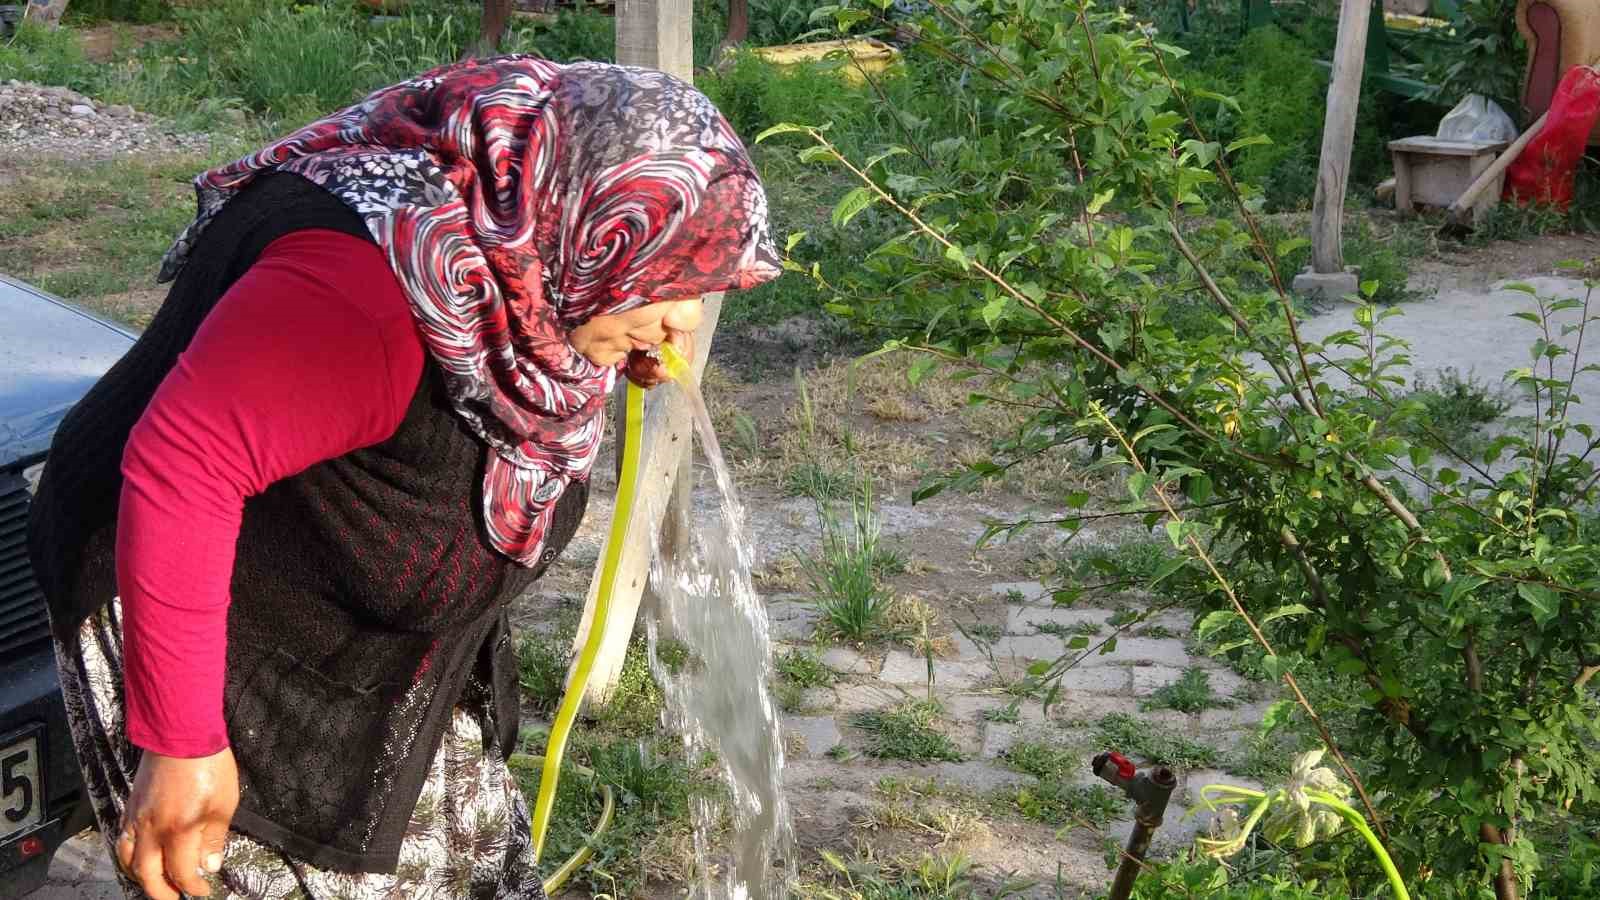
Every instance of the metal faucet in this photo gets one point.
(1149, 790)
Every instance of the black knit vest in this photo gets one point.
(367, 602)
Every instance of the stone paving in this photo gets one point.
(967, 683)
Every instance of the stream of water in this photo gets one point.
(720, 701)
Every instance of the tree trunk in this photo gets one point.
(1505, 880)
(738, 30)
(496, 16)
(1338, 133)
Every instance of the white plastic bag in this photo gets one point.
(1477, 118)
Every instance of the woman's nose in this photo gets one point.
(684, 315)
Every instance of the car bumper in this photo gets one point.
(30, 703)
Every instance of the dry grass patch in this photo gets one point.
(95, 232)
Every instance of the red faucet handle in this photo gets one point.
(1125, 767)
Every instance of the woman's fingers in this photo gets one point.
(148, 866)
(124, 850)
(182, 855)
(215, 844)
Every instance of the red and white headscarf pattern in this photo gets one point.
(515, 199)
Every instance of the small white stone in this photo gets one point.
(818, 734)
(998, 738)
(1149, 679)
(81, 110)
(846, 661)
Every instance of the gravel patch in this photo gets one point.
(41, 121)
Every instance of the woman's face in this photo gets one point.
(607, 340)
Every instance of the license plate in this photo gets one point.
(21, 787)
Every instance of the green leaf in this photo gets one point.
(780, 128)
(1273, 665)
(1286, 247)
(1175, 532)
(794, 241)
(1276, 716)
(994, 310)
(1543, 603)
(1213, 621)
(919, 368)
(1100, 200)
(1167, 570)
(1254, 140)
(1284, 612)
(850, 205)
(955, 254)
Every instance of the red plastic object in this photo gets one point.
(1545, 170)
(31, 847)
(1125, 767)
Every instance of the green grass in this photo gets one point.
(650, 832)
(89, 230)
(542, 662)
(845, 575)
(1064, 805)
(1260, 758)
(1056, 798)
(805, 669)
(818, 480)
(1004, 715)
(1064, 631)
(1045, 761)
(943, 876)
(1191, 693)
(799, 671)
(1455, 408)
(1151, 743)
(910, 732)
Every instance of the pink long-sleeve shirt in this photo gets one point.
(313, 353)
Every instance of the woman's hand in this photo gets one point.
(176, 822)
(646, 370)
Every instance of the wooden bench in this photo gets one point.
(1434, 172)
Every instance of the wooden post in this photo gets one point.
(654, 34)
(1338, 133)
(45, 12)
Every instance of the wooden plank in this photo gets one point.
(662, 498)
(1435, 146)
(1338, 133)
(657, 34)
(654, 34)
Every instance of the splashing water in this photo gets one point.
(720, 701)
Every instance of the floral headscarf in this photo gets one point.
(516, 198)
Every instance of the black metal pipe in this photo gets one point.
(1150, 791)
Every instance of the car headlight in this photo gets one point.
(31, 476)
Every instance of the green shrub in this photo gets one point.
(1455, 612)
(139, 11)
(47, 56)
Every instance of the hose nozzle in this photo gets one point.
(672, 361)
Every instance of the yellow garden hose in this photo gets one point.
(627, 488)
(608, 806)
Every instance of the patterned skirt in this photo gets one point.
(468, 836)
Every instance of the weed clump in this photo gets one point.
(1191, 693)
(909, 732)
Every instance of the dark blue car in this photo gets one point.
(50, 355)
